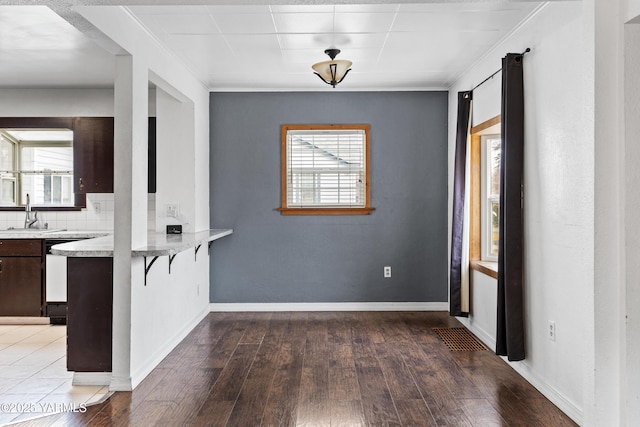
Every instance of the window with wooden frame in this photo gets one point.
(485, 196)
(326, 169)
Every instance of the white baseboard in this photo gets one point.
(91, 378)
(330, 306)
(120, 384)
(158, 356)
(550, 392)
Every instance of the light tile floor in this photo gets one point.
(33, 376)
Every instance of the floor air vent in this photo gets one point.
(459, 339)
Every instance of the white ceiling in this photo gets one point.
(40, 49)
(270, 47)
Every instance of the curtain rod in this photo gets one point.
(527, 50)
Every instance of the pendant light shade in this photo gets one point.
(334, 71)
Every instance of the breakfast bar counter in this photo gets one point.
(158, 244)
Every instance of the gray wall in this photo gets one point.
(275, 258)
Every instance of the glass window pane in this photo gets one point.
(8, 192)
(495, 230)
(42, 168)
(6, 155)
(494, 166)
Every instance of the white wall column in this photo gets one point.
(130, 196)
(606, 400)
(631, 390)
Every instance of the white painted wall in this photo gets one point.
(175, 147)
(558, 196)
(484, 306)
(141, 336)
(56, 102)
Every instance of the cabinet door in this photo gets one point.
(20, 286)
(90, 314)
(93, 155)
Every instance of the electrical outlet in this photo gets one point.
(172, 210)
(552, 330)
(96, 207)
(387, 271)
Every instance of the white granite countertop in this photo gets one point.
(158, 244)
(35, 233)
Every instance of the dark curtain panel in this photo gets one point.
(462, 136)
(510, 339)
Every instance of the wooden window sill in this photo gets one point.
(326, 211)
(485, 267)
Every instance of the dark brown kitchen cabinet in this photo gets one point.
(93, 155)
(152, 155)
(90, 314)
(21, 277)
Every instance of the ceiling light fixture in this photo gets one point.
(334, 71)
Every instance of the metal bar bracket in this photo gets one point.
(196, 252)
(171, 257)
(148, 267)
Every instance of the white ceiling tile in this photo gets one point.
(252, 42)
(315, 42)
(303, 22)
(322, 41)
(238, 9)
(168, 10)
(471, 6)
(461, 21)
(362, 8)
(324, 8)
(187, 24)
(245, 23)
(150, 22)
(198, 46)
(363, 22)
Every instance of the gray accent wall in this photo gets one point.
(274, 258)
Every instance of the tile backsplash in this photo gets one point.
(88, 218)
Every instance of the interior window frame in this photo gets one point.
(41, 123)
(476, 261)
(285, 209)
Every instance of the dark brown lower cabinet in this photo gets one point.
(21, 286)
(90, 314)
(21, 277)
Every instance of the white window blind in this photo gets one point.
(326, 168)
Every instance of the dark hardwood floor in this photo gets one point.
(323, 369)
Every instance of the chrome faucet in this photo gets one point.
(30, 220)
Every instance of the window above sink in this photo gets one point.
(38, 162)
(56, 160)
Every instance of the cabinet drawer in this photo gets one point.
(20, 247)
